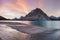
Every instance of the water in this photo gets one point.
(49, 24)
(53, 36)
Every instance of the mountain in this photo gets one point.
(53, 18)
(36, 15)
(20, 18)
(58, 18)
(15, 18)
(2, 18)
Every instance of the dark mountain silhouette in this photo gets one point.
(20, 18)
(15, 18)
(2, 18)
(58, 18)
(54, 18)
(36, 14)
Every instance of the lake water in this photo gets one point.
(49, 24)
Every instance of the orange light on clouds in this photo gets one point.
(19, 7)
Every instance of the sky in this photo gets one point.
(16, 8)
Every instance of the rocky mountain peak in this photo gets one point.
(36, 14)
(2, 18)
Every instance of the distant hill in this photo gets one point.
(20, 18)
(2, 18)
(36, 15)
(54, 18)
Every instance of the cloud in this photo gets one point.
(19, 7)
(22, 7)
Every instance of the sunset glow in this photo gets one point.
(17, 8)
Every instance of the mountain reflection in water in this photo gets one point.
(48, 24)
(24, 30)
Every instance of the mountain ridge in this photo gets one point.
(36, 14)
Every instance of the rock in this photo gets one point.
(36, 15)
(2, 18)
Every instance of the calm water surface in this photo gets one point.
(49, 24)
